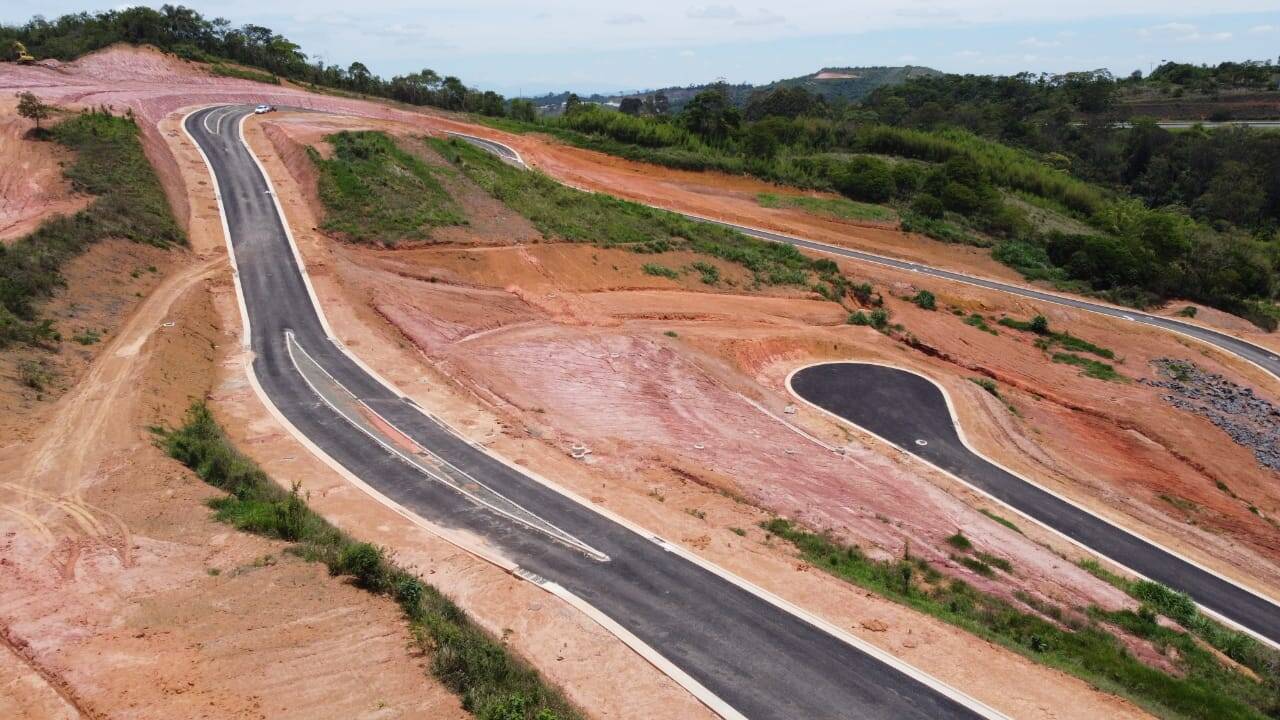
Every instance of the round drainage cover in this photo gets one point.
(922, 443)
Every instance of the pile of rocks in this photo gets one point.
(1250, 420)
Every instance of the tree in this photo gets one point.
(758, 142)
(710, 115)
(630, 106)
(359, 75)
(523, 110)
(33, 108)
(572, 104)
(788, 102)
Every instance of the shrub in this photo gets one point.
(867, 179)
(925, 300)
(959, 542)
(879, 319)
(710, 273)
(859, 318)
(660, 271)
(364, 562)
(928, 206)
(1039, 325)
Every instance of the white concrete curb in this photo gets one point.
(955, 420)
(966, 278)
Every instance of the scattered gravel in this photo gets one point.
(1250, 420)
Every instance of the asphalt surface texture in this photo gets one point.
(905, 408)
(761, 660)
(1264, 358)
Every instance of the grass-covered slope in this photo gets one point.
(110, 164)
(493, 684)
(375, 192)
(563, 212)
(1086, 643)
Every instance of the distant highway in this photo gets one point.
(740, 650)
(1262, 357)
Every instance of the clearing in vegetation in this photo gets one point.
(1081, 644)
(493, 684)
(110, 164)
(375, 192)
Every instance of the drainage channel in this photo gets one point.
(357, 413)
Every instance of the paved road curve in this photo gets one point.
(1262, 357)
(761, 660)
(903, 407)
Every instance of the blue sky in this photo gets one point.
(584, 45)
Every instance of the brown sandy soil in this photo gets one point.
(119, 589)
(32, 187)
(1143, 449)
(713, 359)
(460, 320)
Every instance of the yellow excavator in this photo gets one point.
(18, 53)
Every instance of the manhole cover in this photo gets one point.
(922, 443)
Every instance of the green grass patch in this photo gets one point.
(493, 684)
(87, 337)
(1091, 368)
(1007, 523)
(1065, 340)
(986, 384)
(232, 71)
(839, 208)
(375, 192)
(660, 271)
(976, 320)
(109, 164)
(1081, 646)
(576, 216)
(925, 300)
(710, 273)
(940, 229)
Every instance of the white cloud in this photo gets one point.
(968, 53)
(1181, 32)
(687, 53)
(1036, 42)
(713, 12)
(907, 59)
(761, 17)
(1261, 29)
(625, 19)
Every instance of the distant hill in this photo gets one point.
(837, 84)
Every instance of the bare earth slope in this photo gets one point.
(533, 348)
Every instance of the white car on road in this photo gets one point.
(262, 109)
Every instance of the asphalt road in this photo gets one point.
(1262, 357)
(903, 408)
(761, 660)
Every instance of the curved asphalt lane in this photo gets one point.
(903, 407)
(764, 662)
(1266, 359)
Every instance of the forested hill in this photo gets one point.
(837, 85)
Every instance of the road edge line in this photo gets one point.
(645, 651)
(969, 278)
(955, 421)
(778, 602)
